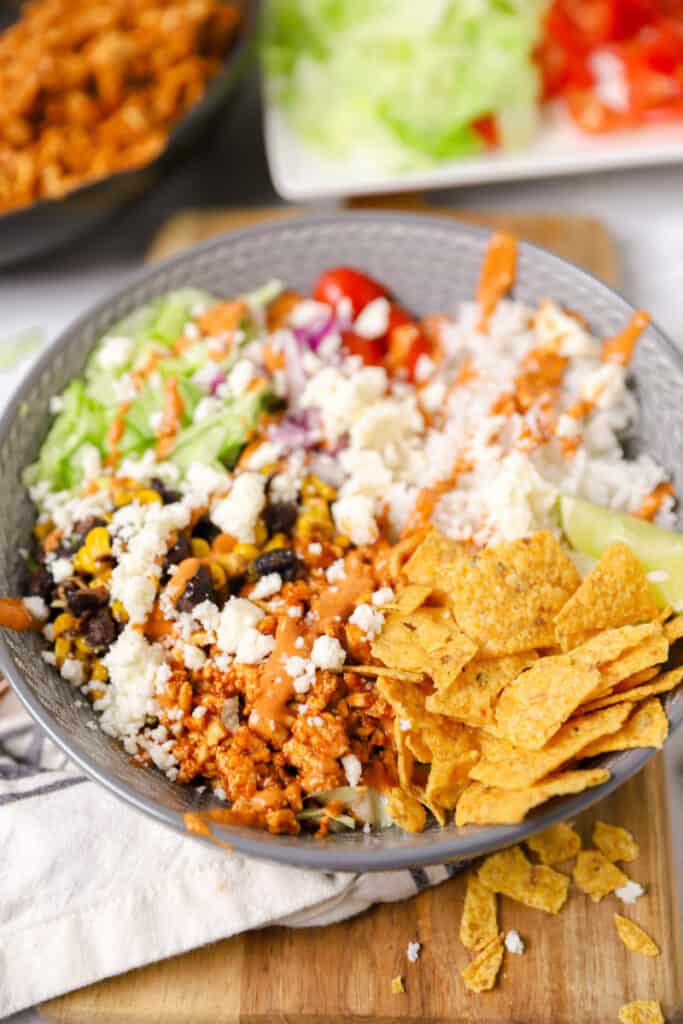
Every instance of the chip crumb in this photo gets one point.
(634, 938)
(481, 973)
(558, 843)
(397, 986)
(514, 942)
(615, 842)
(642, 1011)
(479, 922)
(597, 876)
(413, 952)
(630, 892)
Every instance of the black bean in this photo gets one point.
(280, 516)
(83, 599)
(100, 629)
(177, 553)
(205, 529)
(198, 589)
(40, 584)
(167, 494)
(280, 560)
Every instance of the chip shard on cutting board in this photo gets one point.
(597, 876)
(510, 873)
(641, 1011)
(557, 844)
(481, 972)
(479, 921)
(634, 938)
(614, 842)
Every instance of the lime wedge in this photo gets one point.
(590, 529)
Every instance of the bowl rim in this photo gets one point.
(328, 854)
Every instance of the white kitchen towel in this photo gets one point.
(90, 887)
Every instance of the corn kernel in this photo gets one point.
(260, 533)
(82, 646)
(218, 574)
(200, 548)
(84, 561)
(278, 540)
(247, 551)
(148, 497)
(63, 622)
(342, 541)
(323, 490)
(119, 612)
(233, 563)
(97, 542)
(99, 672)
(96, 694)
(62, 649)
(41, 530)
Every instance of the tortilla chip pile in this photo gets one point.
(540, 885)
(509, 670)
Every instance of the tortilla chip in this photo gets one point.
(410, 599)
(605, 647)
(479, 921)
(673, 629)
(616, 592)
(453, 753)
(397, 648)
(506, 597)
(425, 564)
(597, 876)
(510, 873)
(558, 843)
(614, 842)
(397, 986)
(481, 973)
(648, 726)
(634, 938)
(427, 639)
(637, 679)
(653, 651)
(641, 1011)
(662, 684)
(473, 694)
(406, 810)
(534, 706)
(484, 805)
(417, 745)
(527, 767)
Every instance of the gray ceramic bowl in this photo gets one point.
(431, 265)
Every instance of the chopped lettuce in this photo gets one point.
(219, 438)
(400, 80)
(367, 803)
(82, 421)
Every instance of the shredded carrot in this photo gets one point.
(15, 615)
(619, 349)
(428, 498)
(224, 316)
(115, 433)
(497, 275)
(653, 502)
(280, 308)
(465, 376)
(272, 359)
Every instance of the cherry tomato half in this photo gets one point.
(345, 282)
(371, 350)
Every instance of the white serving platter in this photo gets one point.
(301, 173)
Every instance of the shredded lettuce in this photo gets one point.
(367, 803)
(82, 421)
(219, 438)
(401, 79)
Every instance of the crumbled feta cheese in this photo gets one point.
(315, 548)
(513, 942)
(295, 611)
(193, 657)
(555, 328)
(241, 376)
(208, 615)
(266, 454)
(48, 657)
(266, 587)
(658, 576)
(299, 643)
(72, 671)
(37, 607)
(238, 615)
(368, 619)
(630, 892)
(413, 951)
(206, 407)
(230, 713)
(49, 631)
(200, 711)
(132, 664)
(315, 720)
(343, 399)
(155, 420)
(354, 516)
(328, 653)
(238, 513)
(424, 368)
(220, 793)
(302, 672)
(309, 313)
(352, 768)
(384, 595)
(254, 647)
(60, 569)
(115, 352)
(336, 572)
(124, 388)
(405, 725)
(205, 480)
(567, 426)
(373, 320)
(56, 404)
(605, 386)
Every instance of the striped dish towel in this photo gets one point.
(95, 888)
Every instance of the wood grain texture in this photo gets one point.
(575, 970)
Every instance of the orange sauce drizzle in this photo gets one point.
(171, 417)
(619, 349)
(15, 615)
(653, 502)
(497, 275)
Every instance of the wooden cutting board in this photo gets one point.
(575, 970)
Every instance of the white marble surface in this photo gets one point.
(643, 210)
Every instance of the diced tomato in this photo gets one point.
(486, 128)
(406, 344)
(595, 21)
(592, 115)
(345, 282)
(371, 350)
(398, 317)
